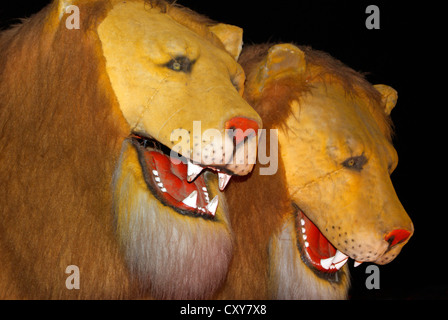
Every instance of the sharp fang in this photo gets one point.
(191, 199)
(223, 180)
(337, 261)
(357, 263)
(193, 171)
(326, 263)
(340, 264)
(212, 206)
(338, 257)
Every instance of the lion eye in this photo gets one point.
(355, 163)
(180, 64)
(176, 66)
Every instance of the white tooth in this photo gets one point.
(163, 189)
(340, 264)
(307, 244)
(223, 180)
(304, 237)
(213, 205)
(160, 184)
(339, 256)
(357, 263)
(303, 230)
(326, 263)
(204, 189)
(302, 222)
(157, 179)
(154, 172)
(191, 199)
(193, 171)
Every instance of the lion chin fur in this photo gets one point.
(292, 279)
(202, 248)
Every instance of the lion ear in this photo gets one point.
(389, 97)
(230, 36)
(282, 60)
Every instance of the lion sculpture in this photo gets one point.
(332, 198)
(89, 118)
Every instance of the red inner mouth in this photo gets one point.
(312, 244)
(167, 179)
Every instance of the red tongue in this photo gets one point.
(318, 246)
(170, 181)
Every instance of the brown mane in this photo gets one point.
(70, 164)
(249, 270)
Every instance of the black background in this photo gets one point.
(406, 53)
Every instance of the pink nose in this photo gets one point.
(241, 126)
(397, 236)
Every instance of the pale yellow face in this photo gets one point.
(337, 164)
(166, 76)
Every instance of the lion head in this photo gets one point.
(135, 120)
(167, 76)
(335, 148)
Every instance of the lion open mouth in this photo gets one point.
(177, 184)
(316, 251)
